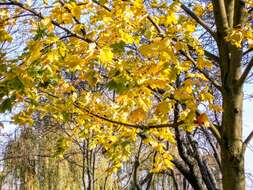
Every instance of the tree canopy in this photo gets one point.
(129, 72)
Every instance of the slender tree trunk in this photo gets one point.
(231, 147)
(232, 158)
(83, 165)
(228, 14)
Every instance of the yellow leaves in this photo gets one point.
(154, 68)
(250, 43)
(198, 9)
(126, 37)
(27, 80)
(190, 27)
(4, 13)
(138, 3)
(210, 7)
(62, 49)
(4, 36)
(47, 24)
(107, 20)
(235, 37)
(162, 108)
(240, 34)
(91, 77)
(249, 2)
(66, 18)
(23, 118)
(138, 115)
(78, 27)
(188, 116)
(73, 60)
(216, 108)
(67, 87)
(52, 56)
(171, 19)
(130, 98)
(144, 102)
(157, 83)
(85, 98)
(74, 9)
(188, 87)
(158, 46)
(35, 48)
(51, 39)
(106, 55)
(162, 163)
(146, 50)
(204, 63)
(196, 76)
(62, 15)
(206, 96)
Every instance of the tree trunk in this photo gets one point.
(231, 146)
(232, 158)
(227, 15)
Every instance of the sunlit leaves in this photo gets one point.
(235, 37)
(137, 115)
(74, 9)
(118, 63)
(199, 10)
(4, 36)
(162, 108)
(106, 55)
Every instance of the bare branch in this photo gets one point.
(105, 7)
(245, 72)
(159, 30)
(247, 140)
(211, 56)
(247, 51)
(198, 20)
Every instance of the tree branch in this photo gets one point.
(39, 15)
(216, 155)
(245, 72)
(215, 132)
(247, 140)
(187, 55)
(171, 125)
(247, 51)
(159, 30)
(211, 56)
(198, 20)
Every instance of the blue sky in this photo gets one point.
(248, 127)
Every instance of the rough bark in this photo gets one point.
(232, 158)
(227, 15)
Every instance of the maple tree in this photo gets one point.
(130, 71)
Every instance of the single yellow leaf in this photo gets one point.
(162, 108)
(137, 115)
(106, 55)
